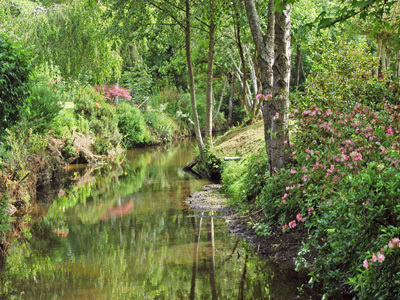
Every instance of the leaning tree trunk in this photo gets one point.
(209, 86)
(192, 85)
(280, 148)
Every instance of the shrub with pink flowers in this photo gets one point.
(341, 190)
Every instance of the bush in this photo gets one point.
(211, 166)
(243, 181)
(343, 74)
(5, 218)
(14, 78)
(164, 127)
(102, 117)
(341, 192)
(131, 124)
(45, 102)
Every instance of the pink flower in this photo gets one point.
(284, 198)
(374, 258)
(264, 97)
(366, 264)
(304, 177)
(293, 171)
(284, 227)
(389, 131)
(310, 210)
(292, 224)
(394, 243)
(300, 218)
(381, 257)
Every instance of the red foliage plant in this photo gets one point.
(111, 92)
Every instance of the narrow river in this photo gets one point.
(126, 233)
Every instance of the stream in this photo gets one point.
(125, 232)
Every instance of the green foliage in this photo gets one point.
(101, 116)
(5, 218)
(341, 74)
(362, 217)
(67, 151)
(23, 144)
(211, 166)
(72, 35)
(244, 180)
(45, 102)
(14, 77)
(164, 127)
(131, 124)
(139, 81)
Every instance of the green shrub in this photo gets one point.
(14, 78)
(131, 124)
(211, 167)
(164, 127)
(23, 144)
(243, 181)
(340, 193)
(45, 102)
(343, 74)
(102, 116)
(5, 218)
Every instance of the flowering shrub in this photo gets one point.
(343, 187)
(112, 92)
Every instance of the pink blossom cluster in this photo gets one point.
(110, 92)
(331, 145)
(265, 97)
(293, 224)
(379, 257)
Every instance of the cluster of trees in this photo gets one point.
(140, 43)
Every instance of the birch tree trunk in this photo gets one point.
(197, 131)
(209, 86)
(265, 45)
(280, 150)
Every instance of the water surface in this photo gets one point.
(125, 232)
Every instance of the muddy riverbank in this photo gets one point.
(280, 246)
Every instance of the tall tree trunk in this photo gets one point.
(231, 100)
(220, 100)
(397, 71)
(197, 131)
(265, 47)
(280, 150)
(297, 66)
(209, 86)
(383, 58)
(244, 71)
(379, 52)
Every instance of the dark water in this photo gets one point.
(126, 233)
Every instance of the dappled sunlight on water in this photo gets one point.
(125, 233)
